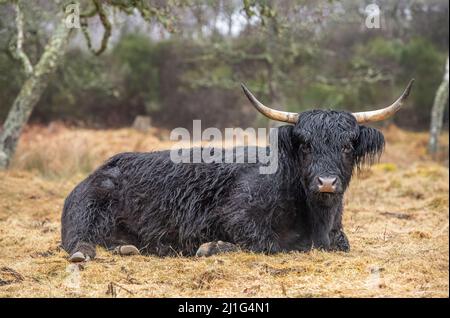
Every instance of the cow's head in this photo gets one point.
(330, 144)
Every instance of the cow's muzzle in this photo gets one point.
(327, 184)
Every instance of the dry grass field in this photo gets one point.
(396, 218)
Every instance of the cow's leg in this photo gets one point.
(339, 241)
(85, 223)
(219, 247)
(320, 236)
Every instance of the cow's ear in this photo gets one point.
(370, 145)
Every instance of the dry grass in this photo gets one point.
(396, 218)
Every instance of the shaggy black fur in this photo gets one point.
(165, 208)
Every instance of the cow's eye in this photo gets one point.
(347, 149)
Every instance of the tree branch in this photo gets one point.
(19, 53)
(106, 25)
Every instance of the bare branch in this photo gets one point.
(89, 14)
(19, 53)
(106, 25)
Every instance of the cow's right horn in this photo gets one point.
(384, 113)
(286, 117)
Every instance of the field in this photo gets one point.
(396, 218)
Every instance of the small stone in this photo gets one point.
(142, 123)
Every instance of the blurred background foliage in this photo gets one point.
(294, 55)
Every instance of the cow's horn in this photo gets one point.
(286, 117)
(384, 113)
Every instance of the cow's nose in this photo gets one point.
(327, 184)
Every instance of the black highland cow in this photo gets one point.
(145, 203)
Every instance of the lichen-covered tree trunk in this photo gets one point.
(31, 92)
(274, 72)
(437, 113)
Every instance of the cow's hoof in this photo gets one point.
(211, 248)
(126, 250)
(340, 241)
(78, 257)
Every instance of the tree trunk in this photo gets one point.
(276, 97)
(437, 113)
(30, 93)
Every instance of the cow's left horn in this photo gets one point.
(384, 113)
(286, 117)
